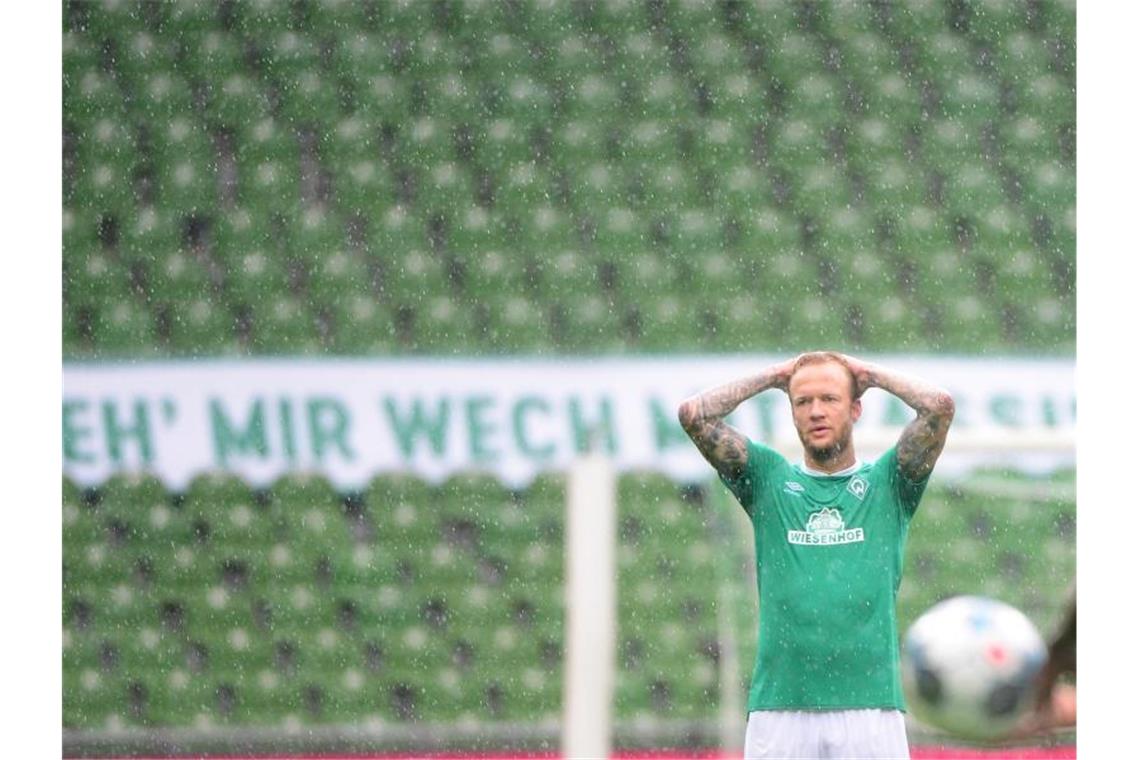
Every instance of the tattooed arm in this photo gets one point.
(702, 417)
(922, 440)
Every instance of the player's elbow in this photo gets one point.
(943, 406)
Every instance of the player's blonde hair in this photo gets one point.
(822, 357)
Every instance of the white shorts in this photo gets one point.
(834, 734)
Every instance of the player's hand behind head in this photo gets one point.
(861, 371)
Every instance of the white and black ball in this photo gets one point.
(968, 666)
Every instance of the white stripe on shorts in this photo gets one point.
(831, 734)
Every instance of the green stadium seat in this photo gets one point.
(893, 184)
(735, 96)
(874, 140)
(283, 324)
(1065, 232)
(795, 55)
(972, 319)
(919, 228)
(713, 54)
(695, 232)
(619, 230)
(1027, 141)
(253, 276)
(110, 139)
(673, 185)
(867, 54)
(91, 700)
(140, 52)
(123, 328)
(414, 274)
(79, 54)
(287, 51)
(821, 186)
(894, 97)
(342, 274)
(223, 508)
(916, 18)
(526, 100)
(315, 234)
(443, 186)
(310, 99)
(1000, 231)
(818, 98)
(106, 184)
(972, 186)
(740, 191)
(427, 140)
(516, 324)
(237, 100)
(265, 139)
(381, 97)
(219, 53)
(431, 54)
(971, 97)
(591, 321)
(997, 20)
(664, 316)
(444, 324)
(191, 16)
(451, 94)
(360, 53)
(765, 229)
(570, 54)
(1048, 96)
(664, 96)
(949, 142)
(591, 96)
(236, 233)
(91, 92)
(162, 93)
(189, 184)
(362, 186)
(1020, 51)
(595, 188)
(646, 144)
(743, 323)
(91, 272)
(1050, 184)
(182, 139)
(546, 227)
(795, 142)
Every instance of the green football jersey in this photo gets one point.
(829, 557)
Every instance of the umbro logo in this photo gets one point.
(791, 486)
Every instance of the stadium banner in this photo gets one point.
(352, 419)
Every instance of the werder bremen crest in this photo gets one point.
(825, 528)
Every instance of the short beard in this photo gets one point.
(827, 453)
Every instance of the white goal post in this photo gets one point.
(591, 609)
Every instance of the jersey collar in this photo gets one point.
(821, 474)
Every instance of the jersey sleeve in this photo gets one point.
(909, 492)
(761, 460)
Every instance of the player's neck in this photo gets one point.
(841, 461)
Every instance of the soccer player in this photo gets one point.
(1056, 700)
(829, 537)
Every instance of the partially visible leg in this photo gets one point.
(866, 735)
(782, 735)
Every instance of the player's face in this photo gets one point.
(823, 409)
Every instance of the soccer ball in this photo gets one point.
(968, 666)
